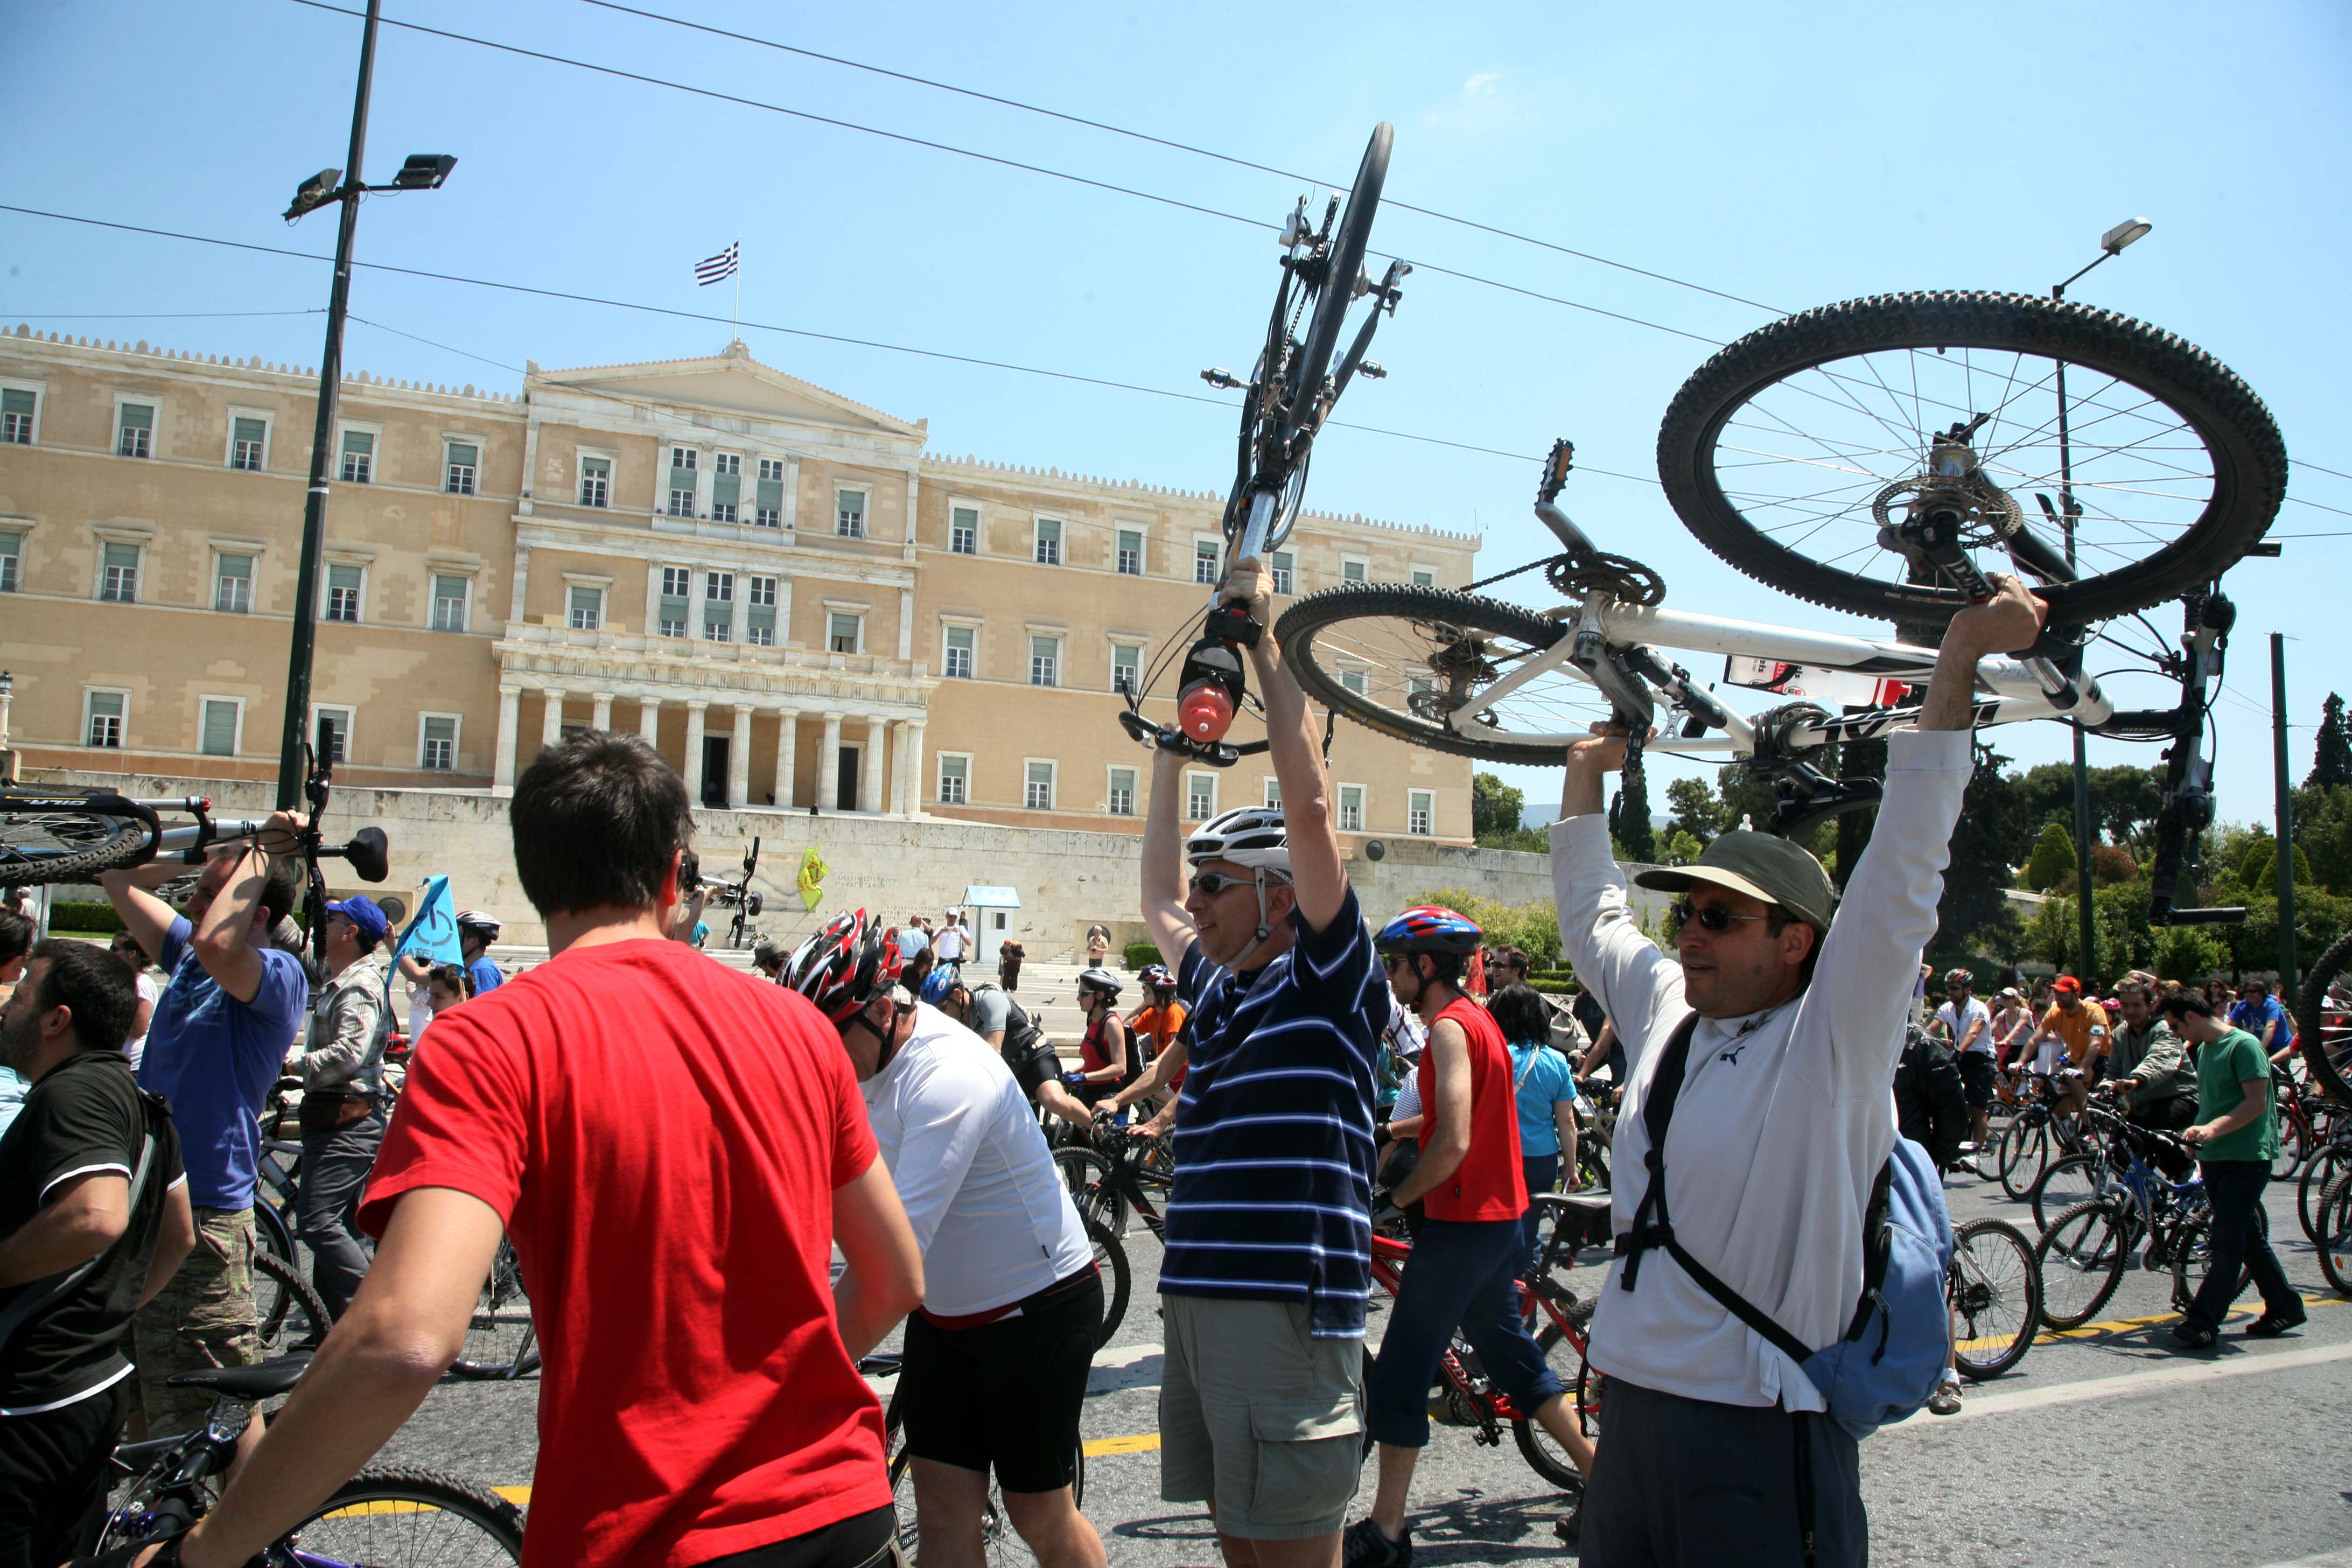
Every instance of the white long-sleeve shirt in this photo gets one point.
(1785, 1116)
(990, 1213)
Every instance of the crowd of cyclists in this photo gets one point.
(666, 1141)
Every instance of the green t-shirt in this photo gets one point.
(2224, 1066)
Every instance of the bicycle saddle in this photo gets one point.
(268, 1381)
(1584, 1205)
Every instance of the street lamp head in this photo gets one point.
(2123, 234)
(314, 193)
(426, 171)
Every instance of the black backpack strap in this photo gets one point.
(1654, 1227)
(37, 1298)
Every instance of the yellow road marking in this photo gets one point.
(1142, 1443)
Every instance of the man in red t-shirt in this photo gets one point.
(674, 1148)
(1467, 1261)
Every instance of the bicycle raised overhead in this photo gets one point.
(1876, 458)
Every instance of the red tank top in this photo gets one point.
(1489, 1184)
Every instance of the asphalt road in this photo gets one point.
(2109, 1446)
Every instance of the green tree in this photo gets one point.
(1682, 848)
(2322, 830)
(1695, 810)
(1975, 911)
(2331, 762)
(2124, 800)
(1629, 819)
(1495, 805)
(2258, 873)
(2052, 864)
(2112, 863)
(2189, 954)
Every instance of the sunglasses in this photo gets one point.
(1712, 917)
(1215, 882)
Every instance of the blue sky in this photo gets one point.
(1793, 155)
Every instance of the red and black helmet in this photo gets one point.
(846, 964)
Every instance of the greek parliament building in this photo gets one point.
(780, 588)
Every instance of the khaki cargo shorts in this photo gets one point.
(1259, 1418)
(203, 1319)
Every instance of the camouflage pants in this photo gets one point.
(204, 1318)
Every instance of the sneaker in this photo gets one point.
(2196, 1336)
(1366, 1545)
(1945, 1400)
(1570, 1525)
(2270, 1325)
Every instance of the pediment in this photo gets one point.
(732, 383)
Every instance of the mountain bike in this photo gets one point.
(2322, 1017)
(1993, 1287)
(2100, 1156)
(1878, 457)
(2038, 1136)
(420, 1518)
(501, 1341)
(1286, 399)
(2332, 1155)
(2332, 1232)
(2083, 1254)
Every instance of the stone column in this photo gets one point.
(899, 769)
(907, 618)
(551, 721)
(601, 718)
(828, 762)
(787, 738)
(869, 777)
(916, 783)
(509, 706)
(739, 760)
(694, 707)
(649, 719)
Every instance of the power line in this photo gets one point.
(2298, 462)
(152, 315)
(1173, 146)
(1041, 169)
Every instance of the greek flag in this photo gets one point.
(720, 268)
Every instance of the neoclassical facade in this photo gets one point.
(784, 590)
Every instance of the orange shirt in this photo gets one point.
(2075, 1029)
(1157, 1025)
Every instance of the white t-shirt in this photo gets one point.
(948, 944)
(1959, 1024)
(151, 993)
(964, 1149)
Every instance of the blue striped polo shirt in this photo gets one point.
(1274, 1131)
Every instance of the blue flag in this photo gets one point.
(432, 932)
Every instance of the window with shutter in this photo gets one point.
(1125, 666)
(1200, 797)
(955, 779)
(134, 430)
(359, 456)
(1049, 541)
(17, 408)
(117, 582)
(676, 584)
(1044, 661)
(1421, 812)
(844, 632)
(1286, 578)
(437, 752)
(587, 608)
(246, 440)
(963, 531)
(343, 593)
(1352, 571)
(1039, 794)
(463, 459)
(450, 592)
(719, 607)
(217, 729)
(233, 585)
(1352, 808)
(1130, 551)
(105, 726)
(957, 664)
(760, 612)
(1121, 798)
(1205, 554)
(849, 514)
(595, 481)
(12, 562)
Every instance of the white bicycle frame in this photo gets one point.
(2015, 689)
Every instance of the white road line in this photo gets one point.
(2135, 1382)
(1124, 1355)
(2324, 1559)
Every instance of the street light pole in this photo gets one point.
(2284, 798)
(314, 500)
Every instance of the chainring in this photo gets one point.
(1627, 582)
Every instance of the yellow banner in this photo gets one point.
(812, 879)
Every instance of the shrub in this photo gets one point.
(1138, 955)
(2053, 860)
(85, 917)
(2111, 864)
(2189, 954)
(1534, 926)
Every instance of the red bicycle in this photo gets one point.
(1472, 1399)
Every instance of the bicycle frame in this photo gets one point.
(1389, 1258)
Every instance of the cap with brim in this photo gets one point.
(2067, 986)
(363, 912)
(1760, 865)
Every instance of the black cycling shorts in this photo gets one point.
(1005, 1395)
(1976, 1078)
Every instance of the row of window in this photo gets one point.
(341, 594)
(1127, 553)
(220, 728)
(1041, 780)
(761, 505)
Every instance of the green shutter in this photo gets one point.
(344, 577)
(220, 730)
(14, 402)
(251, 430)
(356, 441)
(139, 415)
(460, 452)
(123, 555)
(725, 489)
(772, 494)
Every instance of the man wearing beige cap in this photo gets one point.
(1715, 1453)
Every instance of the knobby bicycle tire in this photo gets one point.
(295, 1314)
(27, 865)
(2051, 1197)
(2334, 1239)
(1533, 1440)
(2313, 1185)
(2089, 1243)
(1421, 605)
(2248, 454)
(2024, 1160)
(386, 1500)
(2328, 1054)
(1981, 1356)
(1344, 258)
(2193, 1250)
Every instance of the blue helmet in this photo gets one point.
(1429, 928)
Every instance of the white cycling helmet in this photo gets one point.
(1251, 835)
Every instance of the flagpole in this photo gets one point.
(735, 325)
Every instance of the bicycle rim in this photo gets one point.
(2312, 1187)
(412, 1519)
(1110, 1259)
(1787, 452)
(2192, 1259)
(39, 848)
(1345, 259)
(2080, 1260)
(1996, 1298)
(1541, 1450)
(1401, 658)
(2324, 1017)
(2075, 1179)
(2335, 1242)
(499, 1338)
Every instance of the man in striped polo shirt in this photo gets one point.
(1267, 1266)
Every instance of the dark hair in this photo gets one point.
(2181, 999)
(15, 936)
(452, 977)
(1518, 1010)
(281, 890)
(597, 819)
(92, 983)
(1516, 957)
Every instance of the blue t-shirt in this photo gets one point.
(214, 1057)
(486, 974)
(1273, 1137)
(1545, 1078)
(2255, 1016)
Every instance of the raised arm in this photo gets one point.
(1637, 985)
(1317, 871)
(147, 917)
(1163, 862)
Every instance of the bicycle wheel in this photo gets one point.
(2312, 1185)
(2025, 1159)
(500, 1342)
(1086, 1177)
(64, 846)
(2069, 1180)
(1788, 451)
(2193, 1257)
(1343, 260)
(2334, 1238)
(410, 1519)
(1996, 1296)
(1399, 658)
(1111, 1258)
(2322, 1017)
(285, 1311)
(2080, 1260)
(1539, 1448)
(2294, 1143)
